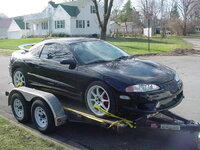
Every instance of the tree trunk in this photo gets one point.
(103, 33)
(185, 28)
(126, 28)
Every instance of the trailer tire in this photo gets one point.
(42, 116)
(20, 108)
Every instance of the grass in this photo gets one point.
(158, 45)
(14, 43)
(13, 137)
(130, 45)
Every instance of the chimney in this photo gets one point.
(51, 2)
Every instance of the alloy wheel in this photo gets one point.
(18, 78)
(98, 95)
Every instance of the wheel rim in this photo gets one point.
(18, 108)
(19, 78)
(98, 95)
(40, 117)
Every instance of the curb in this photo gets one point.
(72, 145)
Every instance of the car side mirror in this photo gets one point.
(71, 62)
(49, 56)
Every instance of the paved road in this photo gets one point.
(93, 137)
(194, 42)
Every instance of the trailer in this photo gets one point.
(47, 112)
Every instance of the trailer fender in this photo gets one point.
(30, 94)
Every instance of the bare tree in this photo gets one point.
(150, 7)
(108, 4)
(186, 7)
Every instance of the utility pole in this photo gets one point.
(148, 17)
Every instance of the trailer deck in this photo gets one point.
(64, 110)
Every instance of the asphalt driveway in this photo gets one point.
(194, 42)
(93, 137)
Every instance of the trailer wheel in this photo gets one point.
(42, 116)
(20, 108)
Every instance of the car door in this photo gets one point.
(55, 75)
(32, 62)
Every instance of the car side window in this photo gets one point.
(35, 51)
(56, 52)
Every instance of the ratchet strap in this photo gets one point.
(19, 85)
(128, 122)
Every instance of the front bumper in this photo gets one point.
(151, 103)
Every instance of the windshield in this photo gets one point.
(96, 51)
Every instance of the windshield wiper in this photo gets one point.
(122, 57)
(98, 61)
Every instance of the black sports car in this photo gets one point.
(99, 73)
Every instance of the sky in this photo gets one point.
(13, 8)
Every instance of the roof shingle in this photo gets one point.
(73, 11)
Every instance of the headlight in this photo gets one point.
(142, 88)
(177, 78)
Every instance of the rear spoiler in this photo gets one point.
(22, 47)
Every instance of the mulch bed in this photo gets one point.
(176, 52)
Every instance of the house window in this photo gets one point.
(88, 23)
(37, 26)
(80, 23)
(44, 26)
(92, 9)
(59, 24)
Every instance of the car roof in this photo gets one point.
(69, 40)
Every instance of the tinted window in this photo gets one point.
(56, 52)
(35, 50)
(89, 52)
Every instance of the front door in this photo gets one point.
(58, 76)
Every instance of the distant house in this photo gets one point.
(74, 18)
(4, 25)
(114, 26)
(197, 30)
(125, 28)
(18, 29)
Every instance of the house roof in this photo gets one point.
(73, 11)
(54, 5)
(20, 23)
(5, 22)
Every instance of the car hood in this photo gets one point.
(135, 71)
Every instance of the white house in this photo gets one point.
(4, 25)
(74, 18)
(17, 29)
(197, 30)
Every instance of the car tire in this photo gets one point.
(20, 108)
(20, 76)
(42, 117)
(103, 97)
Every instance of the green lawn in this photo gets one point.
(13, 137)
(14, 43)
(158, 45)
(130, 45)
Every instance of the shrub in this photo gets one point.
(59, 35)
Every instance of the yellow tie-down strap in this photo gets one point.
(84, 114)
(19, 84)
(128, 122)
